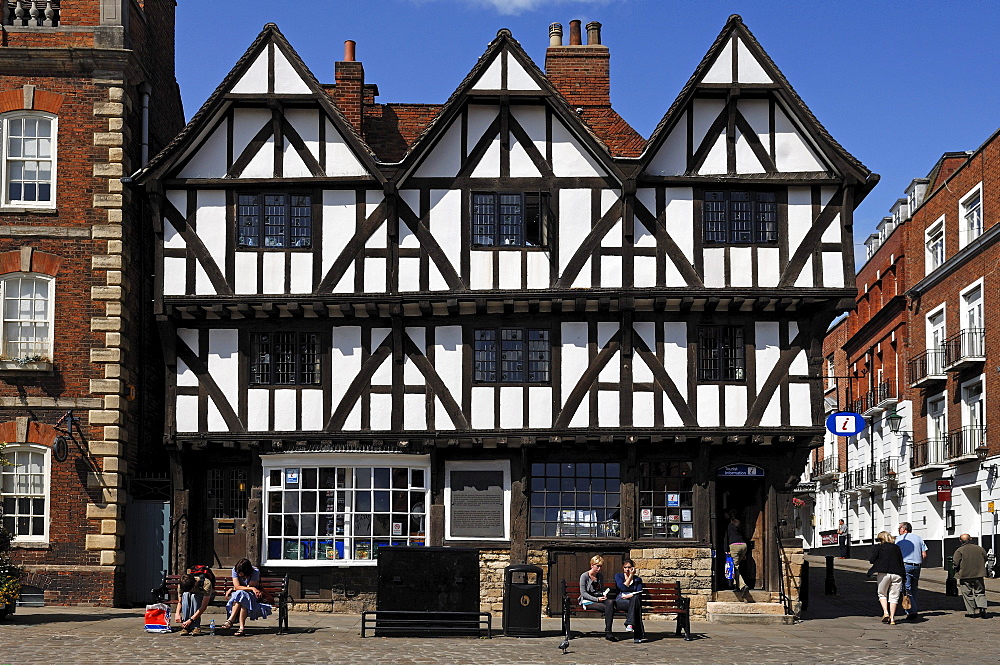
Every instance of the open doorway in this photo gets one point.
(742, 497)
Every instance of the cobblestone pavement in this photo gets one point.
(842, 629)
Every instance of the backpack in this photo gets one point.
(201, 573)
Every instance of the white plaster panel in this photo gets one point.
(746, 158)
(178, 199)
(483, 411)
(203, 285)
(381, 411)
(187, 413)
(255, 77)
(575, 359)
(605, 329)
(793, 330)
(768, 348)
(645, 272)
(757, 113)
(346, 283)
(532, 121)
(643, 409)
(517, 76)
(445, 159)
(339, 224)
(414, 411)
(750, 69)
(345, 361)
(185, 375)
(435, 280)
(353, 420)
(641, 373)
(489, 165)
(216, 423)
(442, 421)
(583, 279)
(715, 267)
(286, 79)
(340, 159)
(642, 237)
(412, 375)
(411, 197)
(800, 365)
(678, 219)
(374, 275)
(174, 274)
(246, 272)
(611, 372)
(274, 272)
(800, 216)
(647, 333)
(574, 222)
(705, 112)
(833, 232)
(223, 362)
(490, 79)
(379, 238)
(772, 414)
(378, 336)
(301, 272)
(741, 266)
(538, 270)
(258, 410)
(445, 222)
(833, 270)
(262, 163)
(246, 123)
(717, 161)
(767, 266)
(805, 278)
(611, 271)
(382, 376)
(736, 406)
(647, 197)
(448, 358)
(407, 238)
(511, 407)
(171, 238)
(293, 165)
(480, 119)
(721, 70)
(539, 407)
(306, 123)
(481, 270)
(521, 165)
(409, 273)
(791, 151)
(569, 158)
(210, 159)
(675, 353)
(212, 224)
(799, 404)
(608, 408)
(285, 409)
(190, 337)
(670, 416)
(708, 405)
(615, 236)
(313, 418)
(671, 158)
(510, 269)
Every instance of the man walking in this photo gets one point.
(970, 569)
(842, 537)
(914, 553)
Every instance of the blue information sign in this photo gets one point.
(741, 471)
(845, 423)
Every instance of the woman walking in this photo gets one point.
(887, 561)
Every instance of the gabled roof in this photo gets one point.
(211, 110)
(803, 115)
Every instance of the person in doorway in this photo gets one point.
(736, 544)
(914, 552)
(629, 599)
(595, 596)
(887, 562)
(194, 592)
(970, 569)
(245, 597)
(842, 538)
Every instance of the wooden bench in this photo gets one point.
(657, 598)
(420, 622)
(275, 590)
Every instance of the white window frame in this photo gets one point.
(966, 415)
(46, 453)
(963, 301)
(341, 460)
(477, 465)
(831, 372)
(941, 398)
(930, 327)
(49, 349)
(933, 254)
(5, 200)
(964, 235)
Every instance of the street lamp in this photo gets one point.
(895, 421)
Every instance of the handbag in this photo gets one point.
(907, 603)
(730, 570)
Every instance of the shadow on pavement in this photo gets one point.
(22, 618)
(857, 596)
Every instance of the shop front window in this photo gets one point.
(576, 499)
(666, 500)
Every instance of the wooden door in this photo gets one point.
(227, 512)
(569, 565)
(743, 498)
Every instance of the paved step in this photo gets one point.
(754, 619)
(745, 608)
(755, 596)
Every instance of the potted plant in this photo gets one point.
(10, 575)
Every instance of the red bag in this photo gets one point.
(157, 618)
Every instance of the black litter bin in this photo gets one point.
(522, 601)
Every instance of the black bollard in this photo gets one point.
(830, 586)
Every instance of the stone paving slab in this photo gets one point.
(837, 630)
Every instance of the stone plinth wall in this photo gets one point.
(691, 566)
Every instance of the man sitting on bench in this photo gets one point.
(595, 596)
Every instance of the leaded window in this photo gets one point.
(666, 500)
(274, 221)
(575, 499)
(733, 217)
(509, 219)
(721, 353)
(284, 358)
(512, 355)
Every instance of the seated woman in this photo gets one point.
(245, 597)
(594, 595)
(629, 599)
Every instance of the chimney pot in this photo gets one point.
(575, 37)
(594, 33)
(555, 34)
(349, 47)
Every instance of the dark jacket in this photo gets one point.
(887, 558)
(970, 561)
(734, 534)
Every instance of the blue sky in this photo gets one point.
(896, 83)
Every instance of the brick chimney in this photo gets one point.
(349, 91)
(581, 72)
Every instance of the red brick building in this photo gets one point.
(86, 95)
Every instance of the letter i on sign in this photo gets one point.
(845, 423)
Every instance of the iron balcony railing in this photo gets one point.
(967, 346)
(827, 466)
(925, 367)
(928, 453)
(887, 469)
(962, 443)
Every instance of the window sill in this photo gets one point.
(30, 545)
(506, 248)
(313, 563)
(13, 210)
(40, 366)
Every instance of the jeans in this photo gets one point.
(190, 602)
(632, 607)
(910, 582)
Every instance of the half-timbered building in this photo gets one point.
(505, 322)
